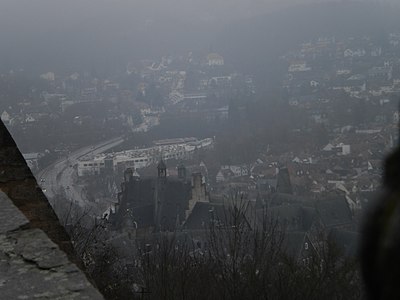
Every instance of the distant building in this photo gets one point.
(30, 119)
(214, 59)
(396, 117)
(299, 67)
(5, 117)
(354, 53)
(49, 76)
(314, 83)
(32, 160)
(147, 205)
(340, 149)
(180, 148)
(231, 171)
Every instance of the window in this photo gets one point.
(306, 261)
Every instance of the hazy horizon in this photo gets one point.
(47, 34)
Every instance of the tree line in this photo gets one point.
(234, 258)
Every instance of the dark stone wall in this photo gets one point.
(18, 182)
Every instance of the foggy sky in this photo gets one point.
(40, 32)
(44, 32)
(28, 18)
(43, 13)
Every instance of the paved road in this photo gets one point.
(60, 175)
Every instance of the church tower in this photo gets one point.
(128, 175)
(162, 169)
(159, 194)
(181, 171)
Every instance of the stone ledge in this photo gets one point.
(32, 266)
(10, 217)
(19, 184)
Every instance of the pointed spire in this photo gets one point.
(162, 169)
(181, 171)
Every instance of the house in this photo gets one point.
(49, 76)
(376, 52)
(5, 117)
(354, 53)
(314, 83)
(340, 72)
(396, 117)
(300, 246)
(299, 67)
(224, 175)
(348, 53)
(232, 171)
(32, 160)
(29, 119)
(340, 149)
(214, 59)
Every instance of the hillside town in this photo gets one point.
(339, 98)
(200, 150)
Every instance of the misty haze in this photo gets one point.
(188, 149)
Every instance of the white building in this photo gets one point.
(340, 149)
(91, 166)
(29, 119)
(214, 59)
(49, 76)
(32, 160)
(140, 158)
(5, 117)
(299, 67)
(396, 117)
(354, 53)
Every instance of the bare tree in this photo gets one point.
(326, 274)
(244, 250)
(242, 256)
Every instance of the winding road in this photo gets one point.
(60, 175)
